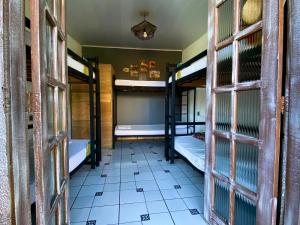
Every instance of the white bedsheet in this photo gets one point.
(192, 149)
(77, 153)
(78, 66)
(140, 83)
(147, 130)
(194, 67)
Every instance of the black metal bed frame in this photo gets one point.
(94, 96)
(173, 90)
(127, 89)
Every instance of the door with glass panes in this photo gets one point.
(243, 117)
(49, 83)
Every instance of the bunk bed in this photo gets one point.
(80, 70)
(133, 130)
(182, 82)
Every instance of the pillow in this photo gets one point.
(200, 135)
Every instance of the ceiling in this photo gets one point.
(108, 22)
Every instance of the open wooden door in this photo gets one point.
(49, 85)
(243, 112)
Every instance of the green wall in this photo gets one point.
(121, 58)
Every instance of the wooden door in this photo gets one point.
(243, 113)
(49, 85)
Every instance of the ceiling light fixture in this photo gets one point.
(144, 30)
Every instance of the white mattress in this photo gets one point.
(192, 149)
(194, 67)
(77, 153)
(147, 130)
(140, 83)
(78, 66)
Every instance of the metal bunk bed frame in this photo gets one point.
(173, 89)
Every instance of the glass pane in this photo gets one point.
(251, 12)
(246, 165)
(59, 60)
(224, 66)
(58, 10)
(250, 57)
(50, 111)
(53, 220)
(223, 111)
(60, 110)
(49, 50)
(221, 200)
(62, 210)
(52, 176)
(225, 20)
(245, 211)
(223, 156)
(61, 161)
(248, 112)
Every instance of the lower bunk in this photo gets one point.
(192, 149)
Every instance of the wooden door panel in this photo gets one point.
(243, 91)
(49, 85)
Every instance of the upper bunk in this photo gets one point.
(125, 85)
(191, 73)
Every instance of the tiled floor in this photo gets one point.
(134, 185)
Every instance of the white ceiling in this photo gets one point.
(108, 22)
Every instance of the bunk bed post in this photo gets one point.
(173, 114)
(167, 114)
(92, 121)
(187, 110)
(98, 113)
(114, 113)
(194, 112)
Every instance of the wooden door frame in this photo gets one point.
(270, 86)
(292, 131)
(13, 67)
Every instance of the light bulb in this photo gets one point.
(145, 35)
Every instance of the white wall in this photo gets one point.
(195, 48)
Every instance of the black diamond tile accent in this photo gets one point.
(99, 194)
(134, 161)
(150, 146)
(91, 222)
(155, 153)
(194, 211)
(139, 190)
(136, 173)
(159, 160)
(167, 171)
(133, 153)
(177, 186)
(106, 164)
(103, 175)
(145, 217)
(109, 155)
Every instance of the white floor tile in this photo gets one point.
(144, 176)
(83, 202)
(90, 180)
(76, 181)
(166, 183)
(153, 196)
(176, 205)
(74, 191)
(127, 178)
(131, 196)
(132, 212)
(112, 187)
(160, 219)
(133, 223)
(156, 207)
(113, 179)
(79, 215)
(107, 198)
(128, 186)
(170, 194)
(90, 190)
(195, 203)
(105, 215)
(187, 191)
(185, 217)
(147, 185)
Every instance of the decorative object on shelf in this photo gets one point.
(126, 70)
(251, 11)
(144, 30)
(154, 74)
